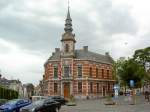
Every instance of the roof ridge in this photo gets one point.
(91, 52)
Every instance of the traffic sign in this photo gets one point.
(132, 83)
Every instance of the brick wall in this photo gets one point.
(101, 79)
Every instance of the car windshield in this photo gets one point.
(12, 101)
(39, 102)
(36, 98)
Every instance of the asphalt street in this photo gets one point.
(97, 105)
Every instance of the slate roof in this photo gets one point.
(6, 82)
(86, 55)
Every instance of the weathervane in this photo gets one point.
(68, 3)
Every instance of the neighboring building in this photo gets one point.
(28, 90)
(4, 82)
(17, 86)
(41, 84)
(25, 94)
(37, 90)
(77, 72)
(12, 84)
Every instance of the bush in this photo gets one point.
(8, 93)
(72, 99)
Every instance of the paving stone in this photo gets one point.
(98, 105)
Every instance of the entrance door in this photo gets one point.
(66, 90)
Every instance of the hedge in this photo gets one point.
(8, 93)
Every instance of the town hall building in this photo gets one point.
(78, 72)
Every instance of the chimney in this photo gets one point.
(107, 53)
(85, 48)
(57, 49)
(53, 53)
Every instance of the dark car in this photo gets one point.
(14, 105)
(59, 99)
(127, 93)
(3, 101)
(44, 105)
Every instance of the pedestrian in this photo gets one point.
(148, 97)
(146, 94)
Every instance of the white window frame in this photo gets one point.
(53, 71)
(81, 71)
(64, 70)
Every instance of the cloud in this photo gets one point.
(20, 63)
(102, 21)
(31, 29)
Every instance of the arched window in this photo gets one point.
(67, 48)
(108, 74)
(102, 73)
(96, 72)
(90, 74)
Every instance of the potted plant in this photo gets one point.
(109, 101)
(71, 101)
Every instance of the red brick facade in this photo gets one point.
(77, 72)
(98, 84)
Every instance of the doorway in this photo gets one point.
(66, 90)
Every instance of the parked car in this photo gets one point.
(43, 105)
(59, 99)
(36, 98)
(3, 101)
(127, 92)
(120, 92)
(14, 105)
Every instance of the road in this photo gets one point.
(98, 106)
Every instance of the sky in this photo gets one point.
(30, 30)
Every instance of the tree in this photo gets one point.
(131, 70)
(142, 56)
(118, 66)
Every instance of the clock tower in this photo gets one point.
(68, 39)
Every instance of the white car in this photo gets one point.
(36, 98)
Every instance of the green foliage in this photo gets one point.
(72, 99)
(118, 66)
(142, 56)
(114, 71)
(8, 93)
(131, 70)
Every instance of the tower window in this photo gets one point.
(67, 48)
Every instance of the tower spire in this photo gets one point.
(68, 21)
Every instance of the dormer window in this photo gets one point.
(67, 48)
